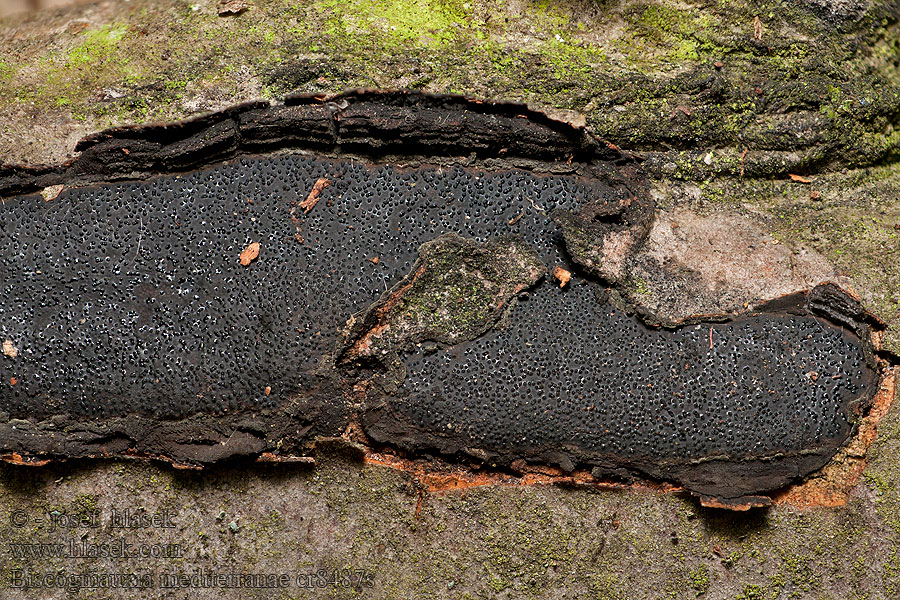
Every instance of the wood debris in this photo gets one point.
(51, 192)
(313, 198)
(232, 7)
(249, 254)
(757, 28)
(9, 349)
(561, 275)
(799, 178)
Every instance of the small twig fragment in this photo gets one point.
(313, 198)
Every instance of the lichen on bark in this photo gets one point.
(455, 291)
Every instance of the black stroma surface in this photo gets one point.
(130, 298)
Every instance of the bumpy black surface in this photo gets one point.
(130, 297)
(571, 371)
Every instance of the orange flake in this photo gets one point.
(249, 254)
(562, 276)
(313, 198)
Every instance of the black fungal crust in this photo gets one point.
(151, 268)
(729, 410)
(216, 359)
